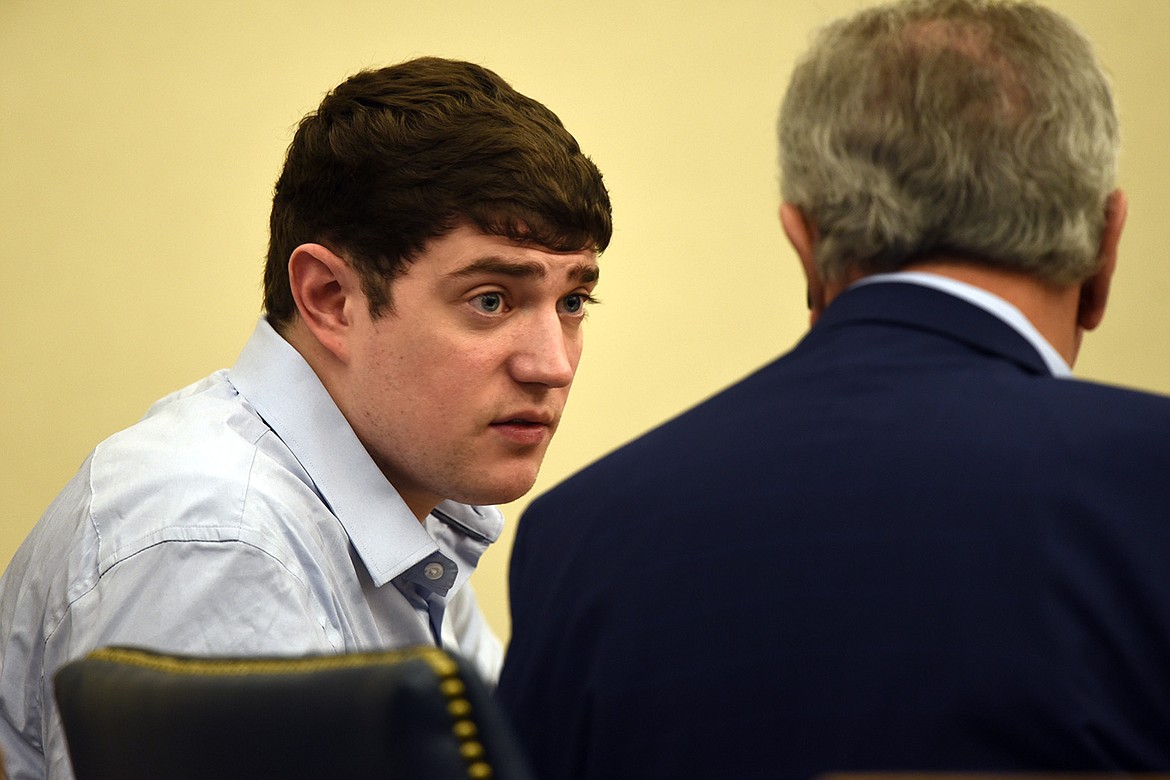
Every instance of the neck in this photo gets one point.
(331, 371)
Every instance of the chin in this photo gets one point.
(502, 491)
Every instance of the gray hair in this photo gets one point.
(967, 128)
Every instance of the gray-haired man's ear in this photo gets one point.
(802, 234)
(1095, 289)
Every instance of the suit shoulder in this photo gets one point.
(1113, 405)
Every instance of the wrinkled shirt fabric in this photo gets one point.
(240, 516)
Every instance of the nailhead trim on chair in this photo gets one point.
(450, 684)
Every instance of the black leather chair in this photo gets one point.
(133, 714)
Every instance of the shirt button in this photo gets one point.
(433, 571)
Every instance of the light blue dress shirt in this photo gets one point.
(241, 516)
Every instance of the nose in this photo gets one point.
(545, 352)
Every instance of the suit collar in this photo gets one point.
(926, 308)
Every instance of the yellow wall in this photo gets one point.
(139, 142)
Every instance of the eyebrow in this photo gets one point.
(524, 269)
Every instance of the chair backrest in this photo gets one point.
(415, 713)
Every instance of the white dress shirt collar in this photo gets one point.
(987, 301)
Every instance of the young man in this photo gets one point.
(912, 543)
(434, 243)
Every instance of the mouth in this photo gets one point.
(529, 418)
(526, 428)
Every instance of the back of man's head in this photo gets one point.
(397, 156)
(969, 129)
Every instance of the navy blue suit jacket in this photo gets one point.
(902, 546)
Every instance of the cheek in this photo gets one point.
(574, 350)
(442, 388)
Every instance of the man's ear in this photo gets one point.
(326, 290)
(802, 234)
(1095, 290)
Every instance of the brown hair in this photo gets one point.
(396, 157)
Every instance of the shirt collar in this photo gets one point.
(287, 394)
(987, 301)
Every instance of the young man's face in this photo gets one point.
(459, 386)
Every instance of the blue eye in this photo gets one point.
(575, 303)
(491, 303)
